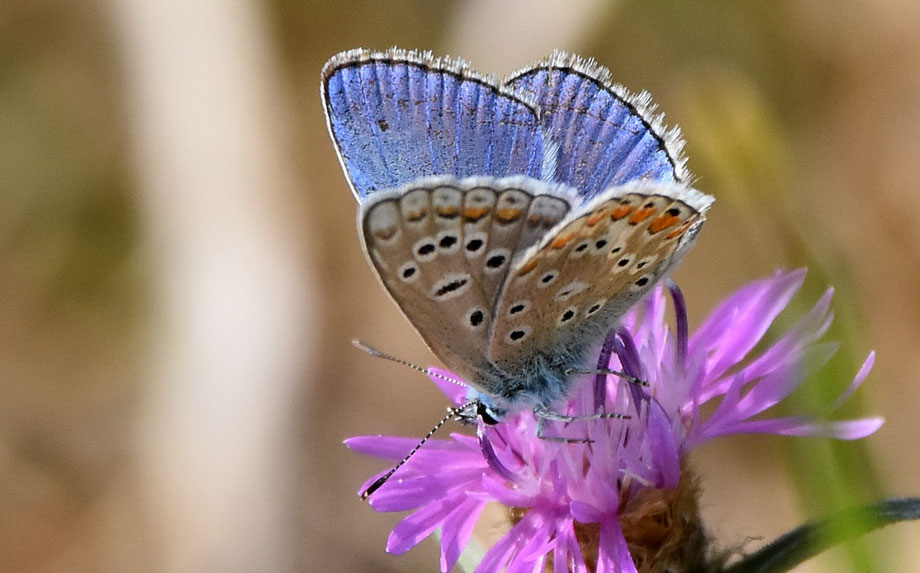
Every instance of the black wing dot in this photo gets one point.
(548, 278)
(474, 245)
(495, 261)
(518, 308)
(476, 318)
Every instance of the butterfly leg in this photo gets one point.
(546, 415)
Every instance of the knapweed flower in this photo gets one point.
(616, 495)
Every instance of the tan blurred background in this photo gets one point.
(180, 275)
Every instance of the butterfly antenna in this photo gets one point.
(379, 354)
(452, 412)
(609, 372)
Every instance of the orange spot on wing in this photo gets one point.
(414, 216)
(621, 212)
(641, 215)
(475, 213)
(507, 214)
(563, 240)
(662, 222)
(596, 217)
(679, 231)
(448, 211)
(528, 267)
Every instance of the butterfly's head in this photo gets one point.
(480, 408)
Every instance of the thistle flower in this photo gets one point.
(622, 498)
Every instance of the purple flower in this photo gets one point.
(624, 498)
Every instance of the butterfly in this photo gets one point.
(514, 221)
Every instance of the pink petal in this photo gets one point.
(613, 552)
(567, 553)
(499, 555)
(663, 445)
(419, 525)
(454, 387)
(857, 382)
(798, 426)
(740, 323)
(458, 527)
(805, 332)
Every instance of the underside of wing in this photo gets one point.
(443, 248)
(606, 136)
(567, 291)
(397, 116)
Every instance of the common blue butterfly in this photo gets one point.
(515, 221)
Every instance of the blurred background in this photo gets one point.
(180, 275)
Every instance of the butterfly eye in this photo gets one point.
(485, 414)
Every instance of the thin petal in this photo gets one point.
(458, 527)
(798, 426)
(408, 492)
(740, 323)
(663, 446)
(419, 525)
(452, 385)
(805, 332)
(772, 389)
(567, 557)
(499, 555)
(857, 382)
(613, 552)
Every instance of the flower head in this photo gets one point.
(615, 494)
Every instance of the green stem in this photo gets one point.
(808, 540)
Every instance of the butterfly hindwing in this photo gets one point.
(443, 248)
(606, 135)
(565, 292)
(397, 116)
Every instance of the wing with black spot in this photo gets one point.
(567, 291)
(442, 248)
